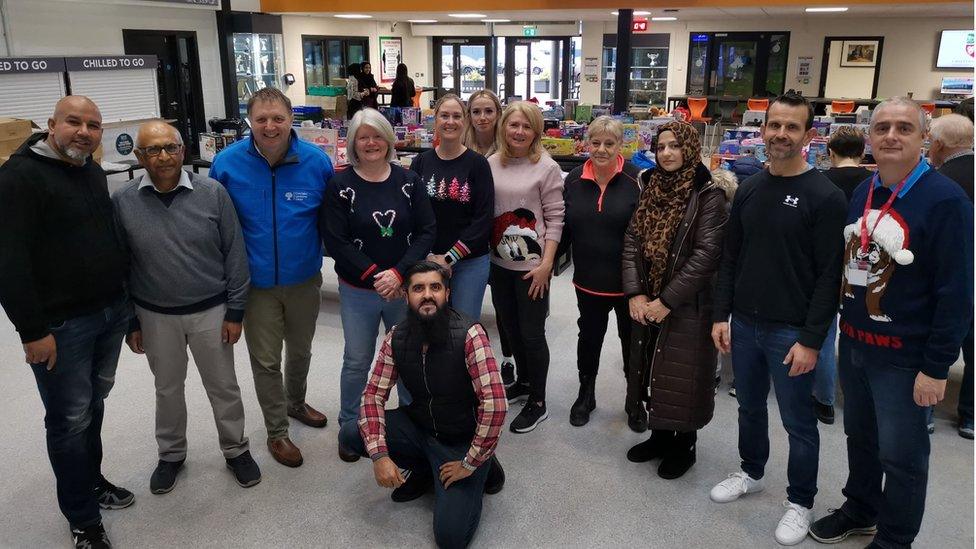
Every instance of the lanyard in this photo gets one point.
(865, 235)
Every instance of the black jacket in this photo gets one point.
(960, 170)
(594, 227)
(444, 402)
(61, 255)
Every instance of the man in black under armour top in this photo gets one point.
(780, 282)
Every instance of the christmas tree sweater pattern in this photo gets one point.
(452, 190)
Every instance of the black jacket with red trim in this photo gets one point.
(594, 226)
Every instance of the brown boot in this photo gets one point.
(285, 452)
(308, 415)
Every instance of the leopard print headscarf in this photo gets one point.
(663, 203)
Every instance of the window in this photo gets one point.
(326, 57)
(741, 64)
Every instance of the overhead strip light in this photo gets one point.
(825, 10)
(467, 15)
(638, 12)
(353, 16)
(496, 20)
(421, 20)
(664, 18)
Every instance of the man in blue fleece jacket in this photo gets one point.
(277, 183)
(907, 297)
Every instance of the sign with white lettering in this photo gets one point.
(110, 62)
(22, 65)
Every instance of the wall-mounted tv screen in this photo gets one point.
(956, 49)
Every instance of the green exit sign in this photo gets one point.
(529, 30)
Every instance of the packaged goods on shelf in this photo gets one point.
(323, 138)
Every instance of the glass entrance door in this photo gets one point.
(461, 65)
(538, 68)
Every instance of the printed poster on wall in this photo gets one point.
(391, 55)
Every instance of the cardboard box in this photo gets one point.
(323, 138)
(13, 133)
(557, 146)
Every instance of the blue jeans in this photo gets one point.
(825, 374)
(469, 278)
(457, 510)
(887, 438)
(361, 311)
(73, 394)
(758, 350)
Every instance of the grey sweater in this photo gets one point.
(188, 256)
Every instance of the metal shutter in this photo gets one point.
(120, 95)
(31, 96)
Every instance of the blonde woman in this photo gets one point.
(528, 224)
(484, 110)
(459, 184)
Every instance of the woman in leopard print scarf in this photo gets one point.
(664, 201)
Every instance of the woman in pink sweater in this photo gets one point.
(528, 224)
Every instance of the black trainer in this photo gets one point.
(529, 418)
(652, 448)
(111, 496)
(508, 373)
(92, 537)
(163, 478)
(518, 392)
(825, 412)
(496, 476)
(416, 485)
(245, 470)
(837, 526)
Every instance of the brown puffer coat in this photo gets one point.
(674, 373)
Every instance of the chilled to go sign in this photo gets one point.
(20, 65)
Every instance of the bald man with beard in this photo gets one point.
(62, 272)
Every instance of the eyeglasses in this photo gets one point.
(170, 149)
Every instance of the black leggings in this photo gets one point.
(523, 321)
(594, 315)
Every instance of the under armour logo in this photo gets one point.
(791, 200)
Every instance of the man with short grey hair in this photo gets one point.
(188, 282)
(951, 150)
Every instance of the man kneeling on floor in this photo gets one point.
(188, 281)
(450, 429)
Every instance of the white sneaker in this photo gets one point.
(736, 485)
(794, 525)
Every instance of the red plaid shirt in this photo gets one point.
(485, 379)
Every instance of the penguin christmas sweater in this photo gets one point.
(908, 296)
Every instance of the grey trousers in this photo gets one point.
(165, 339)
(282, 316)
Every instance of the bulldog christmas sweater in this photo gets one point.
(913, 305)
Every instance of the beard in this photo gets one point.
(71, 152)
(430, 329)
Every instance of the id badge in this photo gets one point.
(857, 273)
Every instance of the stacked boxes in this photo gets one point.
(13, 133)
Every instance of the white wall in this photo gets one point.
(850, 82)
(416, 51)
(907, 64)
(73, 27)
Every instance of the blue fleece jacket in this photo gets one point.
(913, 309)
(278, 208)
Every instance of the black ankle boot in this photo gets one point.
(679, 456)
(637, 420)
(585, 403)
(651, 448)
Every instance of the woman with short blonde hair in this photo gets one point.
(533, 119)
(528, 225)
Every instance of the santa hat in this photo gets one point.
(521, 222)
(891, 234)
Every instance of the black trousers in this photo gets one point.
(594, 315)
(965, 408)
(523, 320)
